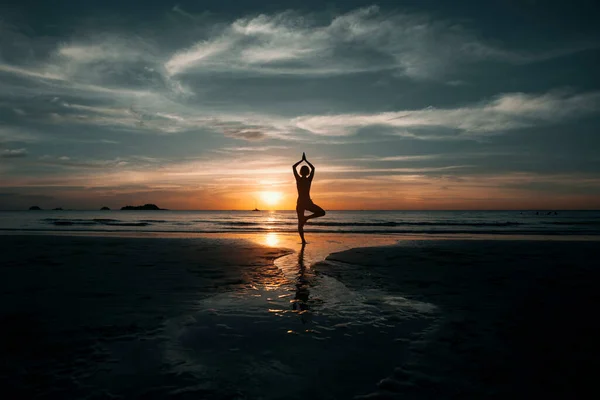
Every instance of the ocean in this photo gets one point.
(365, 222)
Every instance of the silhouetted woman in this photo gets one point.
(303, 181)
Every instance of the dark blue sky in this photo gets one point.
(404, 104)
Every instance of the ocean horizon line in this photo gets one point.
(334, 210)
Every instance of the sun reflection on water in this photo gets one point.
(272, 239)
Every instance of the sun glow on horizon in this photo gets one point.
(271, 198)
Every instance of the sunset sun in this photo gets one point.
(271, 198)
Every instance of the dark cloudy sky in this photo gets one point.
(206, 104)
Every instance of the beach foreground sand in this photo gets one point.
(235, 317)
(83, 316)
(517, 318)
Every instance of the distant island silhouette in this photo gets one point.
(105, 209)
(144, 207)
(57, 209)
(34, 208)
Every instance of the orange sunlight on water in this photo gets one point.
(271, 239)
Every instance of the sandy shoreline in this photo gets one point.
(239, 316)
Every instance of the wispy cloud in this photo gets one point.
(366, 39)
(131, 82)
(16, 135)
(69, 162)
(407, 158)
(503, 113)
(506, 112)
(240, 149)
(13, 153)
(157, 118)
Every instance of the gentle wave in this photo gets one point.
(354, 231)
(387, 222)
(590, 223)
(374, 224)
(92, 222)
(69, 223)
(267, 225)
(391, 224)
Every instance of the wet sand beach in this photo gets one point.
(516, 318)
(258, 317)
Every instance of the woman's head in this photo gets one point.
(304, 171)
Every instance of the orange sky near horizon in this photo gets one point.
(201, 185)
(412, 196)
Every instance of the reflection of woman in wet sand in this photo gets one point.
(300, 303)
(303, 181)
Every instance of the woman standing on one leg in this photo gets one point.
(303, 181)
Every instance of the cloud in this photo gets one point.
(143, 83)
(106, 49)
(408, 158)
(13, 153)
(362, 40)
(131, 117)
(10, 134)
(30, 73)
(53, 81)
(505, 112)
(69, 162)
(181, 11)
(158, 119)
(239, 149)
(244, 133)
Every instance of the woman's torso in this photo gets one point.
(303, 186)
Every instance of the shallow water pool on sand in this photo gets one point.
(210, 318)
(293, 333)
